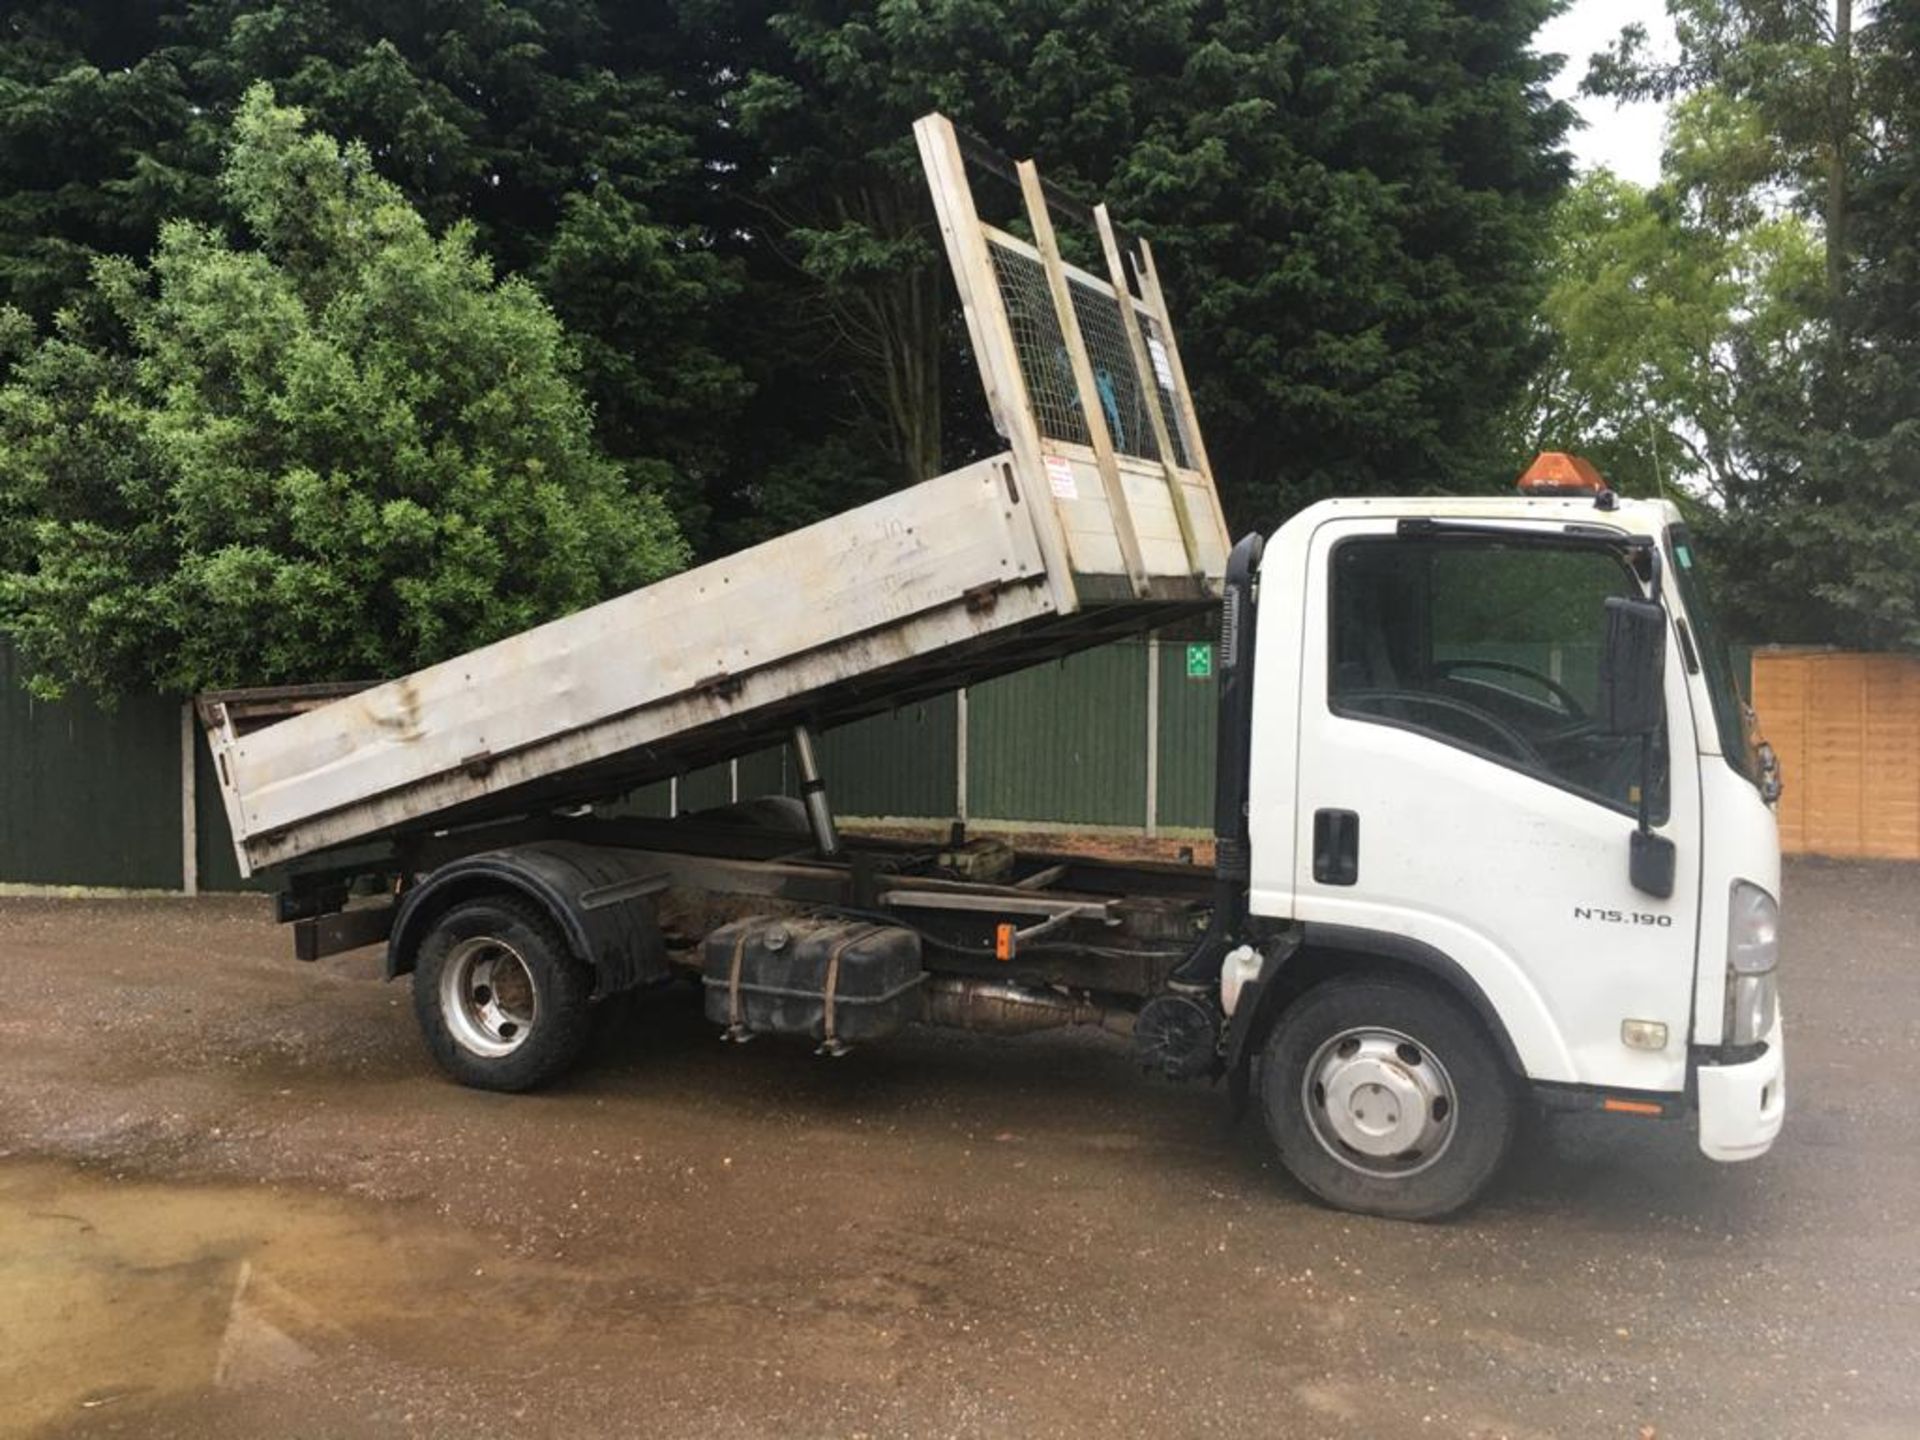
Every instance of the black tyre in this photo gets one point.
(501, 1000)
(1387, 1098)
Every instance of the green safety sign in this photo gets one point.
(1200, 662)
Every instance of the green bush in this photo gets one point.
(340, 449)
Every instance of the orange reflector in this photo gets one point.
(1003, 942)
(1554, 472)
(1631, 1107)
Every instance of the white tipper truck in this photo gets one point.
(1492, 828)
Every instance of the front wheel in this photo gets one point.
(1387, 1098)
(502, 1003)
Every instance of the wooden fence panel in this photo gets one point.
(1780, 699)
(1835, 726)
(1890, 759)
(1847, 729)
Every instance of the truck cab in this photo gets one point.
(1438, 807)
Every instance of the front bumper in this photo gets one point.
(1741, 1106)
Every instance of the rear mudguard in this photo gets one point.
(600, 898)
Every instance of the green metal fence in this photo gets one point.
(88, 796)
(1064, 741)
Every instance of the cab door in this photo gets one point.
(1455, 790)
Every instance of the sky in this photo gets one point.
(1624, 138)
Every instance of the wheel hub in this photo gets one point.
(1379, 1102)
(488, 998)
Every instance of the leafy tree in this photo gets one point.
(558, 129)
(1666, 335)
(346, 452)
(1860, 539)
(653, 308)
(1790, 64)
(562, 131)
(98, 141)
(1794, 110)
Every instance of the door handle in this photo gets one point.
(1336, 847)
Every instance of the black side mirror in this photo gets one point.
(1771, 785)
(1633, 667)
(1651, 861)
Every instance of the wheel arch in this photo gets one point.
(601, 900)
(1324, 952)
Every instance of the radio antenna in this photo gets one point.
(1653, 445)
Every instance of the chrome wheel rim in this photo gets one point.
(487, 997)
(1379, 1102)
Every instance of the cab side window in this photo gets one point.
(1488, 646)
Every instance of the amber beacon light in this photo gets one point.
(1554, 472)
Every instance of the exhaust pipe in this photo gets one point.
(1008, 1009)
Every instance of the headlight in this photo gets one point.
(1753, 950)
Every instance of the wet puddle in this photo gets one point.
(117, 1295)
(124, 1297)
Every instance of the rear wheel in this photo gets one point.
(1387, 1098)
(501, 1001)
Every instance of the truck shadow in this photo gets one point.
(665, 1034)
(1061, 1087)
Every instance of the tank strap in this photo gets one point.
(736, 1028)
(831, 1041)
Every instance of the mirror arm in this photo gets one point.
(1654, 583)
(1646, 782)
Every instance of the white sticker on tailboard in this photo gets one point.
(1060, 477)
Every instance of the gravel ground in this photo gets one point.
(235, 1201)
